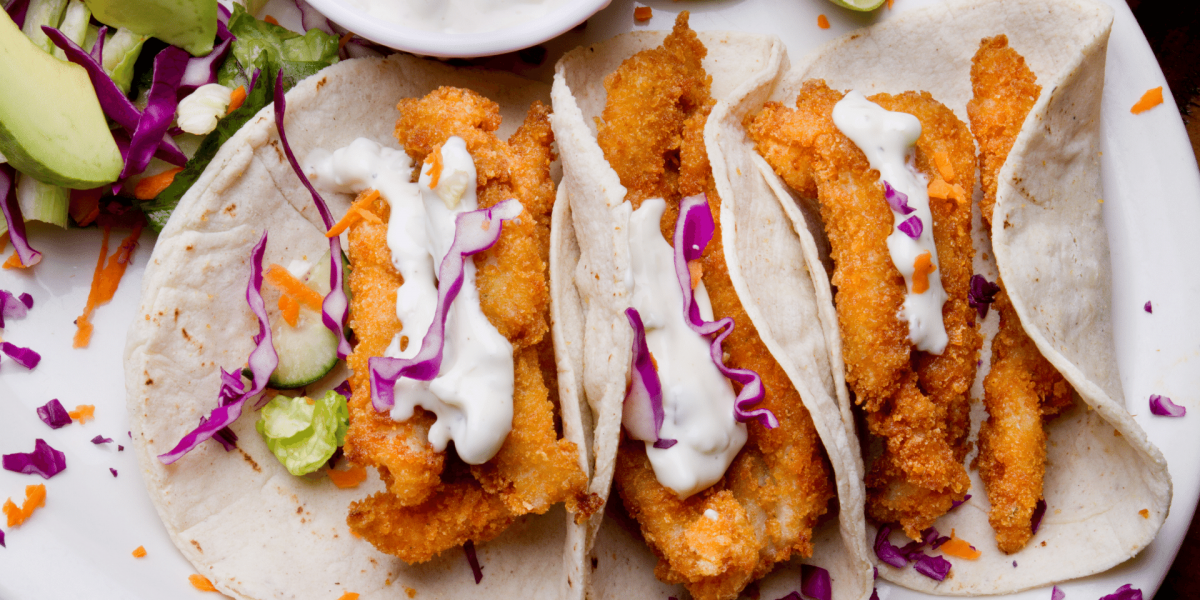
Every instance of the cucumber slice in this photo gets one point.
(308, 351)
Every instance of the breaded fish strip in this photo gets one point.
(1023, 390)
(917, 402)
(533, 468)
(780, 483)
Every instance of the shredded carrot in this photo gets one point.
(201, 582)
(35, 497)
(344, 40)
(368, 216)
(139, 552)
(280, 278)
(150, 187)
(822, 21)
(290, 309)
(236, 99)
(435, 168)
(84, 206)
(942, 160)
(349, 596)
(83, 412)
(922, 267)
(959, 548)
(355, 214)
(889, 3)
(1145, 513)
(696, 270)
(14, 262)
(270, 20)
(105, 281)
(349, 478)
(642, 14)
(1149, 100)
(945, 191)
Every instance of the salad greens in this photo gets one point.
(304, 433)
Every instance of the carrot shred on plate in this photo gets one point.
(1149, 100)
(349, 478)
(236, 99)
(83, 412)
(35, 497)
(288, 284)
(349, 596)
(356, 213)
(890, 3)
(959, 548)
(14, 262)
(150, 187)
(201, 583)
(290, 309)
(139, 552)
(822, 21)
(342, 41)
(105, 281)
(642, 14)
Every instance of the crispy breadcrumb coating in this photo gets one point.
(781, 482)
(1023, 390)
(433, 502)
(916, 401)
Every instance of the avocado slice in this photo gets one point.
(189, 24)
(51, 125)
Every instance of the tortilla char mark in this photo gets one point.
(434, 501)
(916, 401)
(780, 483)
(1023, 391)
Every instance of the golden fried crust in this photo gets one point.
(918, 402)
(533, 468)
(374, 439)
(650, 96)
(1004, 92)
(780, 483)
(1022, 390)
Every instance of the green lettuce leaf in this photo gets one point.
(304, 436)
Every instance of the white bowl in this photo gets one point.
(459, 45)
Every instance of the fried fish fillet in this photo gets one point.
(434, 502)
(917, 402)
(1023, 390)
(780, 483)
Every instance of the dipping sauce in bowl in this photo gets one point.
(458, 28)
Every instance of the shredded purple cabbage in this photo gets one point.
(912, 227)
(957, 503)
(16, 221)
(815, 583)
(1163, 407)
(113, 101)
(53, 414)
(896, 199)
(2, 544)
(1039, 511)
(310, 18)
(202, 70)
(693, 230)
(16, 10)
(874, 594)
(933, 567)
(44, 461)
(120, 448)
(1057, 594)
(26, 299)
(793, 595)
(169, 66)
(981, 294)
(336, 306)
(23, 356)
(663, 443)
(474, 232)
(263, 361)
(642, 414)
(476, 570)
(13, 308)
(113, 471)
(886, 550)
(101, 440)
(1148, 308)
(1125, 592)
(343, 388)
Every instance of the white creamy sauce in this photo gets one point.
(457, 16)
(697, 399)
(888, 139)
(472, 394)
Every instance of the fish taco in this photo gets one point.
(452, 412)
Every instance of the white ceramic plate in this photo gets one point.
(79, 545)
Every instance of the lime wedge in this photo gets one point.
(859, 5)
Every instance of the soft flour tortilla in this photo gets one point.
(239, 517)
(787, 299)
(1052, 253)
